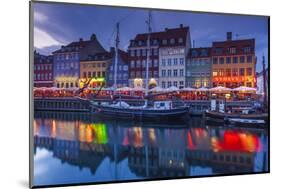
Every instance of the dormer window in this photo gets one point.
(180, 40)
(164, 41)
(139, 43)
(172, 41)
(155, 42)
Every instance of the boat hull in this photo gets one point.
(224, 116)
(141, 113)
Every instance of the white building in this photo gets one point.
(172, 66)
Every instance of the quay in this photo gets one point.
(72, 104)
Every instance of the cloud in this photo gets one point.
(43, 39)
(39, 17)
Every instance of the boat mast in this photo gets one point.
(116, 55)
(148, 52)
(264, 83)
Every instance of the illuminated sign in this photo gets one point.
(233, 79)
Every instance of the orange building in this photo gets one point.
(234, 63)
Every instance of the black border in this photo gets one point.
(31, 48)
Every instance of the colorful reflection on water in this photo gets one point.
(72, 149)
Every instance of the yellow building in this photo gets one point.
(94, 67)
(234, 63)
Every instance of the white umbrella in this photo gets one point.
(220, 89)
(172, 88)
(157, 89)
(188, 89)
(124, 89)
(204, 89)
(245, 89)
(138, 89)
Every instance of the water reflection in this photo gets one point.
(75, 148)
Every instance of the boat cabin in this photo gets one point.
(163, 105)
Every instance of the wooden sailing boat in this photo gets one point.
(151, 110)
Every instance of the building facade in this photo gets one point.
(199, 68)
(234, 63)
(43, 70)
(168, 43)
(95, 67)
(67, 61)
(122, 79)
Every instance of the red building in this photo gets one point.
(137, 53)
(43, 70)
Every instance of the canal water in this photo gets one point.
(80, 148)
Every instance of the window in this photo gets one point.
(221, 72)
(181, 83)
(163, 62)
(98, 65)
(241, 71)
(181, 61)
(181, 72)
(175, 73)
(218, 50)
(132, 64)
(164, 42)
(175, 83)
(139, 43)
(84, 74)
(172, 41)
(163, 84)
(228, 60)
(103, 74)
(103, 65)
(99, 74)
(169, 61)
(143, 52)
(180, 40)
(246, 49)
(89, 74)
(138, 64)
(194, 53)
(215, 73)
(132, 74)
(155, 51)
(235, 60)
(155, 42)
(155, 73)
(163, 73)
(138, 52)
(144, 63)
(155, 63)
(94, 74)
(138, 74)
(228, 72)
(249, 71)
(249, 84)
(169, 73)
(231, 50)
(175, 61)
(249, 59)
(204, 52)
(125, 68)
(132, 52)
(234, 72)
(221, 60)
(215, 60)
(169, 83)
(242, 59)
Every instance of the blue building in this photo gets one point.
(122, 69)
(67, 61)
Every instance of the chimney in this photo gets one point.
(181, 26)
(93, 37)
(80, 39)
(229, 36)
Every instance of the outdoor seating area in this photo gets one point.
(188, 93)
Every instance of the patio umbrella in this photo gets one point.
(124, 89)
(173, 88)
(138, 89)
(157, 89)
(188, 89)
(220, 89)
(245, 89)
(202, 89)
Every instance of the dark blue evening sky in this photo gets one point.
(59, 24)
